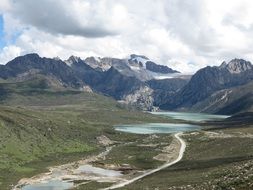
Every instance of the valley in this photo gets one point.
(69, 175)
(208, 153)
(35, 134)
(72, 125)
(126, 95)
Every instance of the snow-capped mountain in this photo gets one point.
(136, 66)
(137, 61)
(223, 89)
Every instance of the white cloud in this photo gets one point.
(4, 5)
(186, 34)
(9, 53)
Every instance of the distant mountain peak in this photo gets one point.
(237, 65)
(98, 63)
(223, 64)
(139, 59)
(143, 62)
(93, 59)
(72, 59)
(133, 56)
(31, 55)
(57, 58)
(25, 59)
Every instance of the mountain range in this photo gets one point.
(140, 82)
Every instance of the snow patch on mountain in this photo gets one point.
(168, 76)
(98, 59)
(138, 66)
(141, 60)
(72, 59)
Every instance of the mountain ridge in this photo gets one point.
(209, 80)
(130, 81)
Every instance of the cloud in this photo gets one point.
(186, 34)
(4, 5)
(8, 53)
(82, 18)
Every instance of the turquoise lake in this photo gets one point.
(197, 117)
(152, 128)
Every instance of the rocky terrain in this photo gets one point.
(123, 79)
(216, 89)
(138, 81)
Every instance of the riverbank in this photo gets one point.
(65, 171)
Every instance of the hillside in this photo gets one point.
(216, 90)
(40, 124)
(228, 101)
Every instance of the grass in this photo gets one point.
(93, 185)
(137, 154)
(41, 127)
(208, 163)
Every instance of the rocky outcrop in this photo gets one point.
(141, 98)
(237, 66)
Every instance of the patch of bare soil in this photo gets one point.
(169, 152)
(104, 140)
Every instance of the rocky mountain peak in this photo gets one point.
(237, 65)
(93, 59)
(99, 63)
(133, 56)
(25, 60)
(139, 59)
(57, 58)
(30, 55)
(72, 59)
(223, 64)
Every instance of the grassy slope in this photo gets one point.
(209, 163)
(137, 154)
(230, 101)
(47, 118)
(40, 127)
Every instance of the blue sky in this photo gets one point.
(13, 37)
(2, 41)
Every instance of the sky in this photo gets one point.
(185, 35)
(2, 43)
